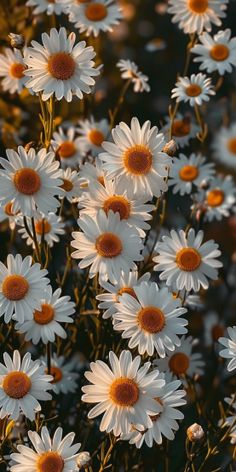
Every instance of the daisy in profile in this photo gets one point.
(217, 53)
(230, 345)
(48, 6)
(195, 89)
(129, 70)
(22, 286)
(164, 424)
(92, 134)
(64, 379)
(6, 213)
(224, 146)
(93, 17)
(48, 455)
(59, 67)
(184, 129)
(185, 262)
(187, 172)
(12, 71)
(136, 158)
(182, 361)
(151, 321)
(112, 196)
(125, 392)
(47, 228)
(47, 321)
(22, 383)
(91, 173)
(125, 284)
(214, 328)
(30, 181)
(107, 244)
(219, 198)
(71, 184)
(67, 147)
(194, 16)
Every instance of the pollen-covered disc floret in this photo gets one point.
(22, 383)
(48, 228)
(187, 172)
(65, 377)
(194, 90)
(12, 70)
(185, 262)
(230, 345)
(130, 71)
(93, 17)
(124, 392)
(150, 320)
(92, 133)
(59, 67)
(67, 147)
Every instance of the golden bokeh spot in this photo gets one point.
(215, 197)
(124, 392)
(151, 319)
(193, 90)
(27, 181)
(61, 65)
(179, 363)
(42, 226)
(118, 204)
(181, 128)
(188, 259)
(108, 245)
(217, 332)
(219, 52)
(96, 11)
(50, 462)
(232, 145)
(45, 315)
(57, 374)
(16, 384)
(198, 6)
(96, 137)
(138, 159)
(15, 287)
(66, 149)
(17, 70)
(188, 173)
(67, 185)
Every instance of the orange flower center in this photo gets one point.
(56, 373)
(198, 6)
(128, 290)
(16, 384)
(96, 137)
(219, 52)
(138, 159)
(179, 363)
(67, 185)
(15, 287)
(42, 227)
(108, 245)
(96, 11)
(188, 173)
(232, 145)
(216, 332)
(27, 181)
(50, 462)
(17, 70)
(188, 259)
(215, 197)
(67, 149)
(8, 209)
(117, 204)
(151, 319)
(193, 90)
(45, 315)
(124, 392)
(61, 65)
(181, 128)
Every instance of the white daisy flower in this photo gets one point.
(58, 67)
(216, 53)
(182, 361)
(230, 351)
(64, 379)
(93, 17)
(49, 455)
(213, 328)
(90, 173)
(136, 158)
(184, 129)
(129, 70)
(12, 69)
(46, 322)
(219, 198)
(22, 384)
(184, 262)
(71, 184)
(151, 321)
(112, 196)
(67, 4)
(49, 6)
(125, 284)
(194, 16)
(188, 171)
(47, 228)
(125, 393)
(107, 244)
(224, 146)
(92, 134)
(67, 147)
(22, 285)
(30, 181)
(6, 213)
(195, 89)
(229, 421)
(164, 424)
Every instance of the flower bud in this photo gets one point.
(195, 433)
(170, 148)
(83, 459)
(16, 40)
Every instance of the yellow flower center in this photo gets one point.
(50, 462)
(198, 6)
(188, 259)
(42, 227)
(188, 173)
(151, 319)
(17, 70)
(27, 181)
(219, 52)
(118, 204)
(108, 245)
(16, 384)
(138, 159)
(67, 185)
(215, 197)
(56, 373)
(181, 128)
(193, 90)
(96, 11)
(61, 65)
(232, 145)
(179, 363)
(96, 137)
(15, 287)
(67, 149)
(124, 392)
(45, 315)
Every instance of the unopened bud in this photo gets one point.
(31, 144)
(16, 40)
(83, 459)
(170, 148)
(204, 185)
(195, 433)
